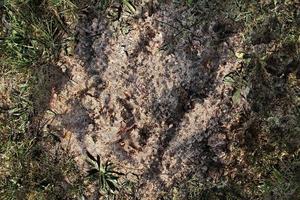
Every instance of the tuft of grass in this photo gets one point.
(105, 174)
(110, 182)
(34, 31)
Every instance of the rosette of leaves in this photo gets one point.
(104, 174)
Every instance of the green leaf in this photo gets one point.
(98, 160)
(246, 91)
(189, 2)
(228, 80)
(129, 5)
(103, 183)
(108, 166)
(112, 177)
(112, 185)
(90, 156)
(91, 172)
(236, 98)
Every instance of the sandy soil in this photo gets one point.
(149, 97)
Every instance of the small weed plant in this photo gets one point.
(105, 174)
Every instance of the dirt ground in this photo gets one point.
(149, 97)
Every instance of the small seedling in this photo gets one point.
(105, 174)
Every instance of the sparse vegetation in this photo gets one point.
(32, 165)
(264, 146)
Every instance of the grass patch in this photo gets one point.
(269, 80)
(32, 164)
(32, 167)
